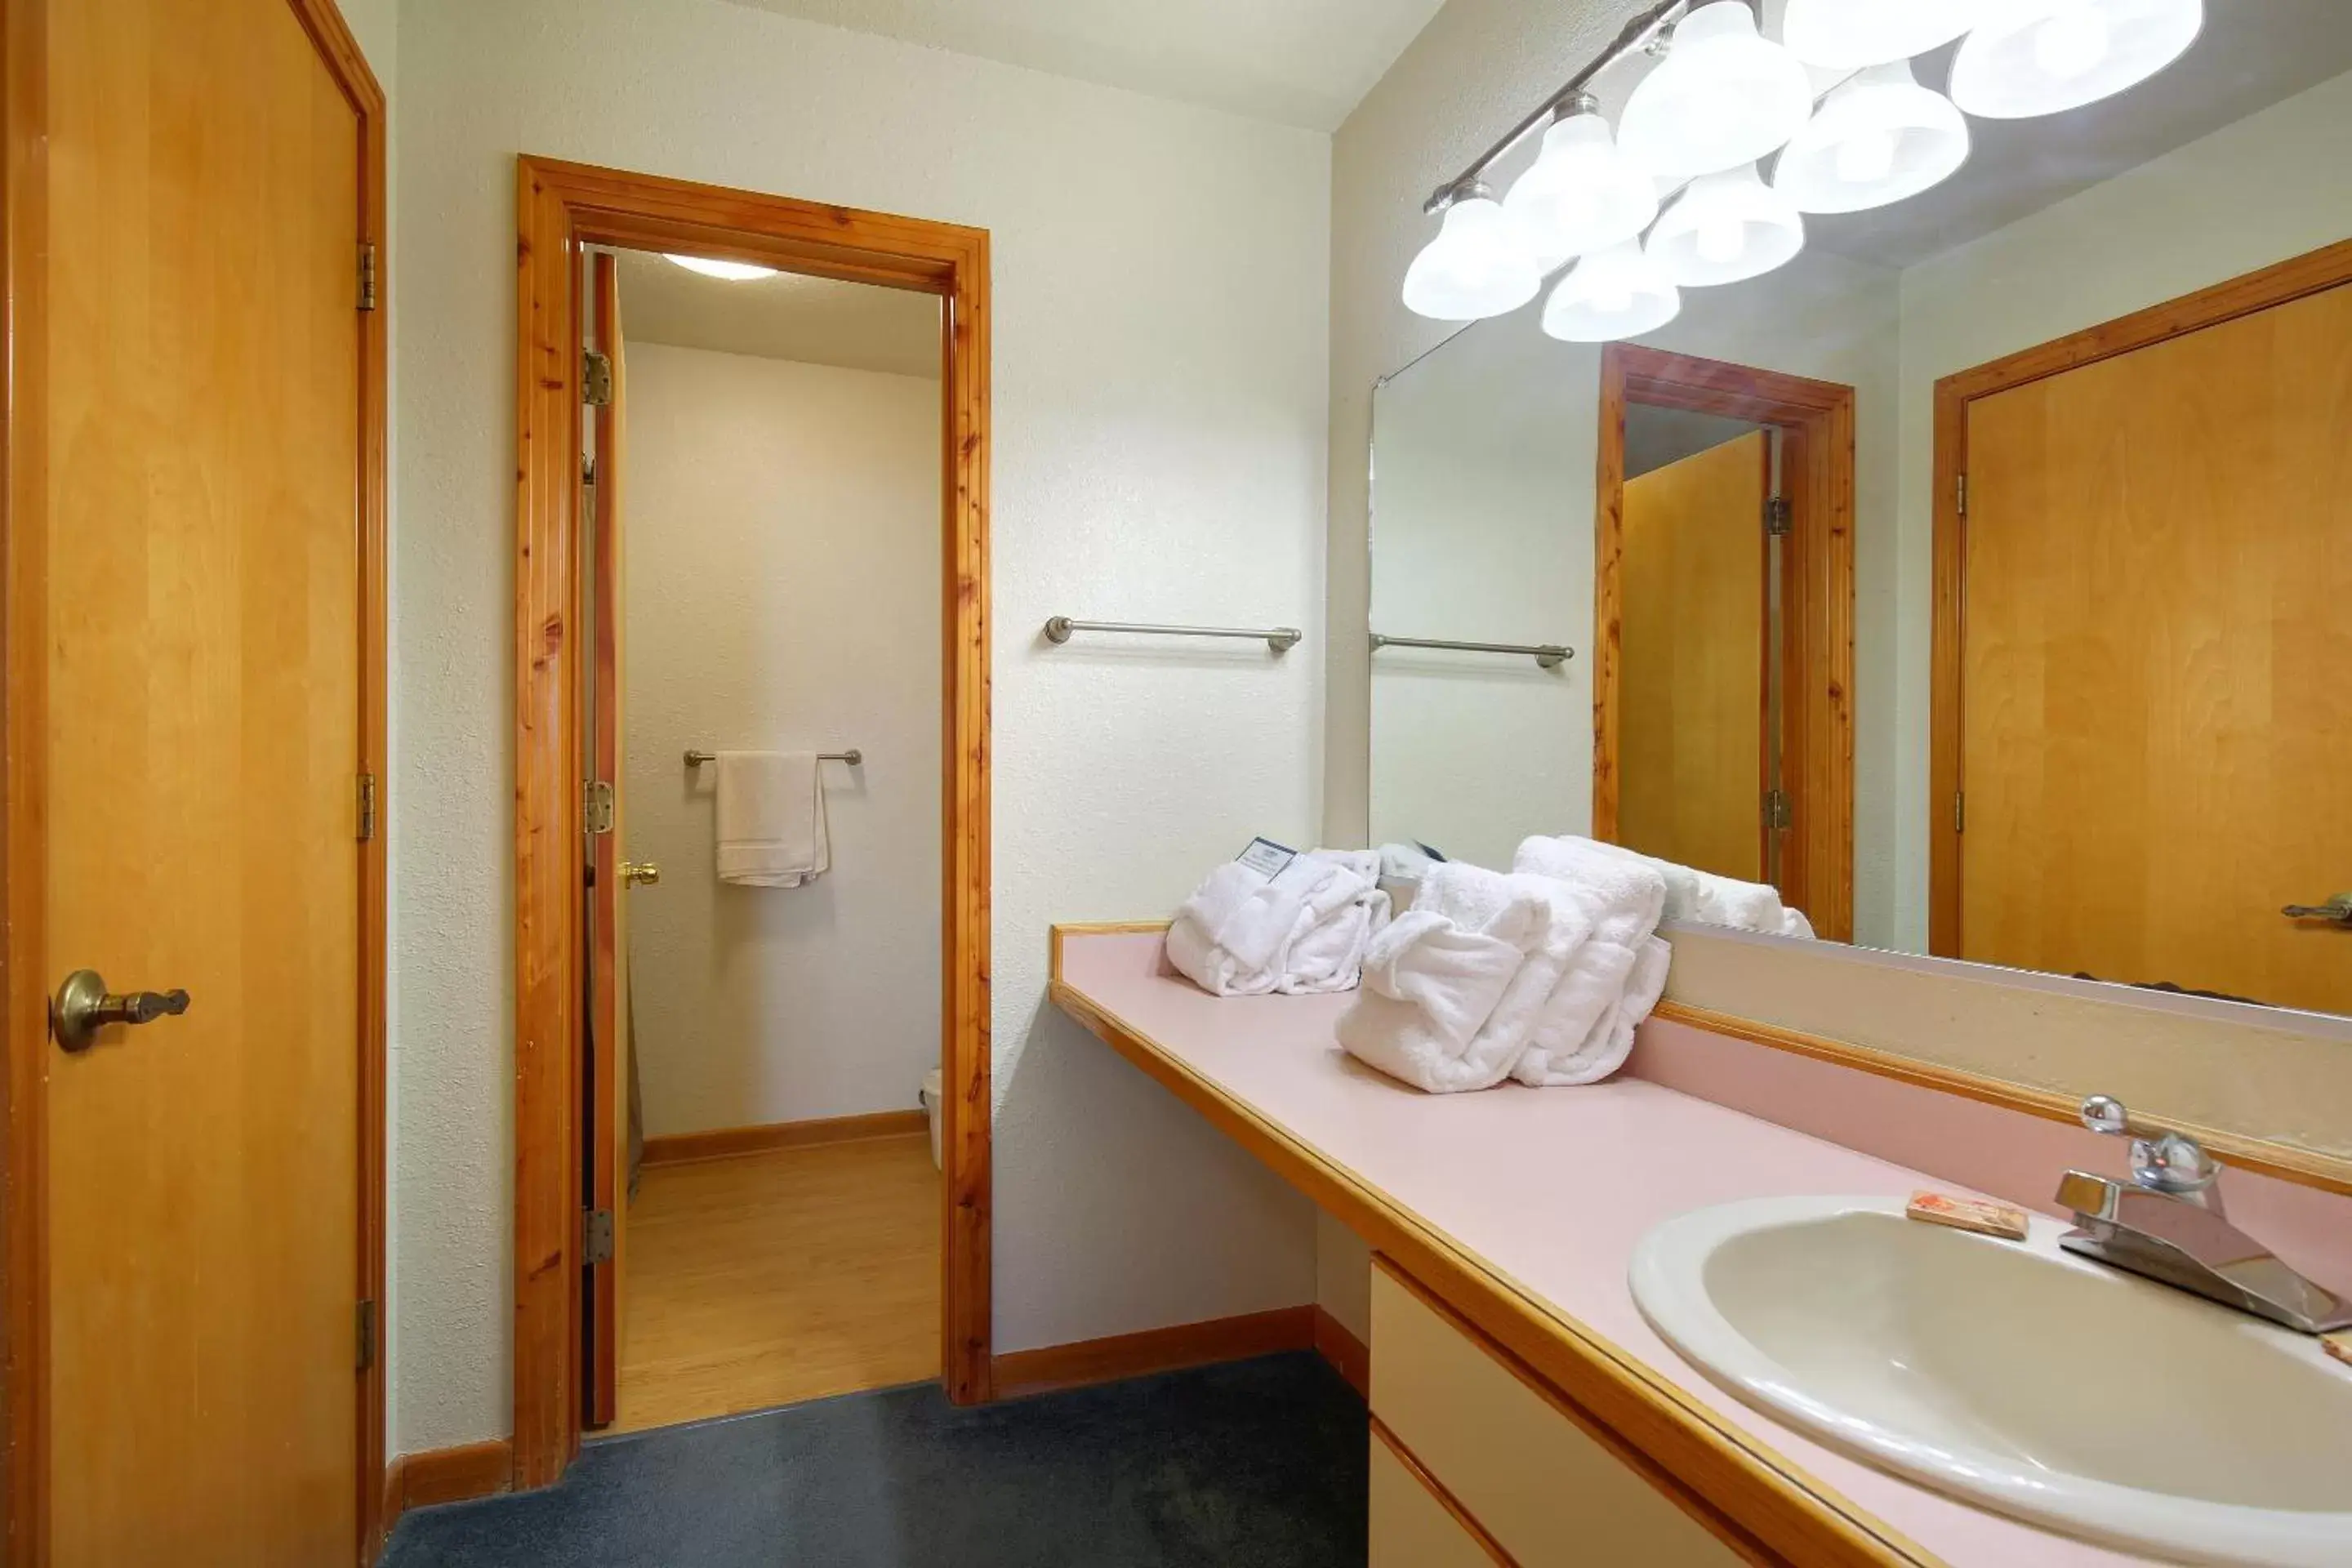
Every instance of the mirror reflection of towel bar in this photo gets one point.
(853, 756)
(1550, 656)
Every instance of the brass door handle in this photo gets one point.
(84, 1005)
(640, 873)
(2337, 909)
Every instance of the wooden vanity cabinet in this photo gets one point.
(1475, 1461)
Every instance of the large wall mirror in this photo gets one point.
(1981, 578)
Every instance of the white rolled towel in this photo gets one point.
(1701, 898)
(1243, 933)
(1452, 987)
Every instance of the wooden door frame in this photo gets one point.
(1815, 419)
(23, 783)
(560, 207)
(2327, 267)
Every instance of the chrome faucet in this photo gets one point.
(2166, 1223)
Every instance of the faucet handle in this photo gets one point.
(2163, 1159)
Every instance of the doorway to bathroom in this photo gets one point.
(760, 522)
(752, 605)
(1723, 573)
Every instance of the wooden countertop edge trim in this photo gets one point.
(2282, 1160)
(1786, 1510)
(1702, 1512)
(1437, 1491)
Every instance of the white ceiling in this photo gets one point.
(857, 326)
(1298, 62)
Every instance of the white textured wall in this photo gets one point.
(782, 538)
(1160, 418)
(2273, 186)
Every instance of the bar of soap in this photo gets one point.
(2338, 1344)
(1969, 1213)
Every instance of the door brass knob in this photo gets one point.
(640, 873)
(84, 1005)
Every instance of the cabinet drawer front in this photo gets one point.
(1547, 1491)
(1411, 1528)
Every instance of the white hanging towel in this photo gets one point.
(772, 830)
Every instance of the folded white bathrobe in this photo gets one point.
(1701, 898)
(1449, 994)
(1243, 933)
(1613, 978)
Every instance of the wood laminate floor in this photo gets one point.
(767, 1278)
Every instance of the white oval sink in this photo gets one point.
(2016, 1376)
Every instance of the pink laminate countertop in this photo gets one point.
(1549, 1189)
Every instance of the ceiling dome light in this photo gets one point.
(1877, 139)
(1723, 96)
(1725, 228)
(1582, 194)
(1614, 293)
(1478, 266)
(733, 271)
(1847, 35)
(2029, 57)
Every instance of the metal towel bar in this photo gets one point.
(1550, 656)
(853, 756)
(1281, 639)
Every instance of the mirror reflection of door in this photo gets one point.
(2156, 723)
(1695, 757)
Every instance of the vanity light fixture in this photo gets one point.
(1615, 293)
(1878, 138)
(1478, 265)
(1847, 35)
(1725, 227)
(2029, 57)
(1725, 95)
(711, 267)
(1582, 194)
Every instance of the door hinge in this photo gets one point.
(595, 1237)
(1779, 516)
(366, 1334)
(1778, 812)
(595, 378)
(1959, 811)
(367, 807)
(1960, 493)
(597, 810)
(588, 472)
(367, 275)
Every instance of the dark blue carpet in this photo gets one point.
(1259, 1463)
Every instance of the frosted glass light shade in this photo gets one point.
(732, 271)
(1582, 194)
(1847, 35)
(1614, 293)
(2029, 57)
(1724, 229)
(1476, 266)
(1877, 139)
(1724, 96)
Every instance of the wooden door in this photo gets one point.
(607, 1121)
(203, 741)
(2156, 712)
(1692, 750)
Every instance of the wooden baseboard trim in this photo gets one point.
(1347, 1353)
(1154, 1350)
(445, 1475)
(725, 1143)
